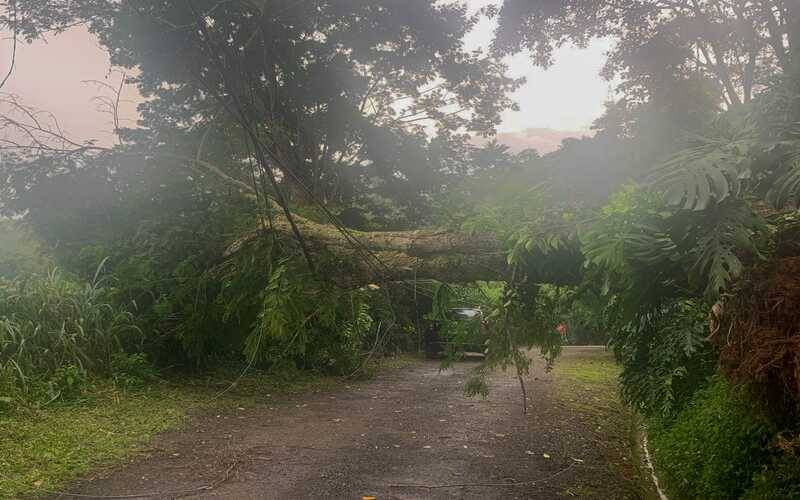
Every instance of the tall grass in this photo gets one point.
(49, 324)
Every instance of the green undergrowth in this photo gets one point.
(43, 448)
(722, 445)
(587, 382)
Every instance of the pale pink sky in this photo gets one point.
(50, 75)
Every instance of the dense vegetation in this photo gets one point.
(196, 240)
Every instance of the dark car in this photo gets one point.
(465, 334)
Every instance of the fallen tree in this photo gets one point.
(439, 254)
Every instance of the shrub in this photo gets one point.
(67, 382)
(55, 332)
(780, 478)
(309, 322)
(131, 370)
(714, 446)
(664, 357)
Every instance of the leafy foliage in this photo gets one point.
(659, 43)
(346, 113)
(54, 332)
(777, 479)
(665, 357)
(712, 167)
(715, 445)
(311, 322)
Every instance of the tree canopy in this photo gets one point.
(338, 96)
(739, 45)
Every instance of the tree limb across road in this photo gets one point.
(439, 254)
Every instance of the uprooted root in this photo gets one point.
(760, 338)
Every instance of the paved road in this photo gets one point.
(410, 433)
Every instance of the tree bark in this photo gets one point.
(396, 255)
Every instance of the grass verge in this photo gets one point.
(588, 383)
(43, 449)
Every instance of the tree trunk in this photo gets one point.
(395, 255)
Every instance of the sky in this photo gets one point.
(54, 75)
(568, 96)
(559, 102)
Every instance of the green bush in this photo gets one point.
(664, 357)
(308, 322)
(779, 479)
(54, 333)
(67, 382)
(714, 446)
(132, 370)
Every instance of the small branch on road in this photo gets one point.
(524, 392)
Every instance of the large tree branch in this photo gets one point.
(425, 253)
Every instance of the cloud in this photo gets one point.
(544, 140)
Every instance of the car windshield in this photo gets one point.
(466, 312)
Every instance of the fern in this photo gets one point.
(361, 323)
(275, 317)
